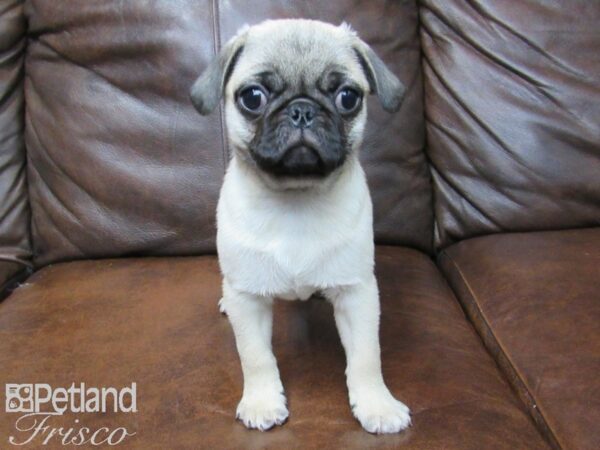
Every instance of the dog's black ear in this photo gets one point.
(208, 89)
(382, 81)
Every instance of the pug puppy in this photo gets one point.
(294, 216)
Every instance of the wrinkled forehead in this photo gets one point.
(299, 56)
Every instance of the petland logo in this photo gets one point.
(39, 403)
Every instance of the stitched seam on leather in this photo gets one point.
(515, 379)
(217, 47)
(25, 113)
(436, 238)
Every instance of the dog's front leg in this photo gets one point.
(356, 310)
(263, 403)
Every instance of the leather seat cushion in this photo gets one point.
(155, 321)
(534, 298)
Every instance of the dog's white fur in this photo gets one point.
(287, 240)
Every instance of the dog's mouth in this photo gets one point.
(303, 156)
(302, 160)
(297, 160)
(284, 150)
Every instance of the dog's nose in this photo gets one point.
(302, 113)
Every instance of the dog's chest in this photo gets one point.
(290, 249)
(291, 258)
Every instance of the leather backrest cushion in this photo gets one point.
(513, 114)
(121, 164)
(14, 205)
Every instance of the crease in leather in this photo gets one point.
(464, 198)
(10, 7)
(475, 168)
(10, 57)
(11, 135)
(15, 259)
(97, 73)
(485, 128)
(48, 186)
(530, 80)
(20, 172)
(216, 31)
(49, 216)
(74, 217)
(500, 356)
(59, 169)
(492, 224)
(48, 156)
(481, 10)
(433, 201)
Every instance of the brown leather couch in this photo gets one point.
(486, 188)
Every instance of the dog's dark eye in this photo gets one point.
(347, 100)
(253, 99)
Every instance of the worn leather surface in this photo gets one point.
(534, 298)
(121, 164)
(14, 205)
(513, 107)
(155, 321)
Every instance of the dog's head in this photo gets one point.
(295, 96)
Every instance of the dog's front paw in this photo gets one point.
(380, 412)
(262, 410)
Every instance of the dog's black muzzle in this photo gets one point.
(309, 150)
